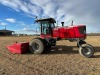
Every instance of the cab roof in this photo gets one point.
(47, 19)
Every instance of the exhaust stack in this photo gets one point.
(62, 24)
(72, 23)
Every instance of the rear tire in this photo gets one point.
(36, 46)
(86, 50)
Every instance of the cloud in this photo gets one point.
(10, 20)
(22, 6)
(22, 23)
(3, 24)
(82, 11)
(28, 29)
(25, 29)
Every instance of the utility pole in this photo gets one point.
(5, 27)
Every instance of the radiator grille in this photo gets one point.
(82, 30)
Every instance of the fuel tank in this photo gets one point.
(75, 31)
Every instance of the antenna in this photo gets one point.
(36, 17)
(57, 23)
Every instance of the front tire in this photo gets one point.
(86, 50)
(36, 46)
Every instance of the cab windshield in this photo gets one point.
(46, 27)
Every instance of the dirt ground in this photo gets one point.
(64, 59)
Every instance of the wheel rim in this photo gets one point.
(86, 51)
(35, 46)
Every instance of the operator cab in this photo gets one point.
(46, 26)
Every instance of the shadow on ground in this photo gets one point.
(62, 49)
(97, 50)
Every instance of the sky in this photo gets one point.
(19, 15)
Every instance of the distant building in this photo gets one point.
(6, 32)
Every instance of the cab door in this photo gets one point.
(45, 29)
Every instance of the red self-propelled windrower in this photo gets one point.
(49, 34)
